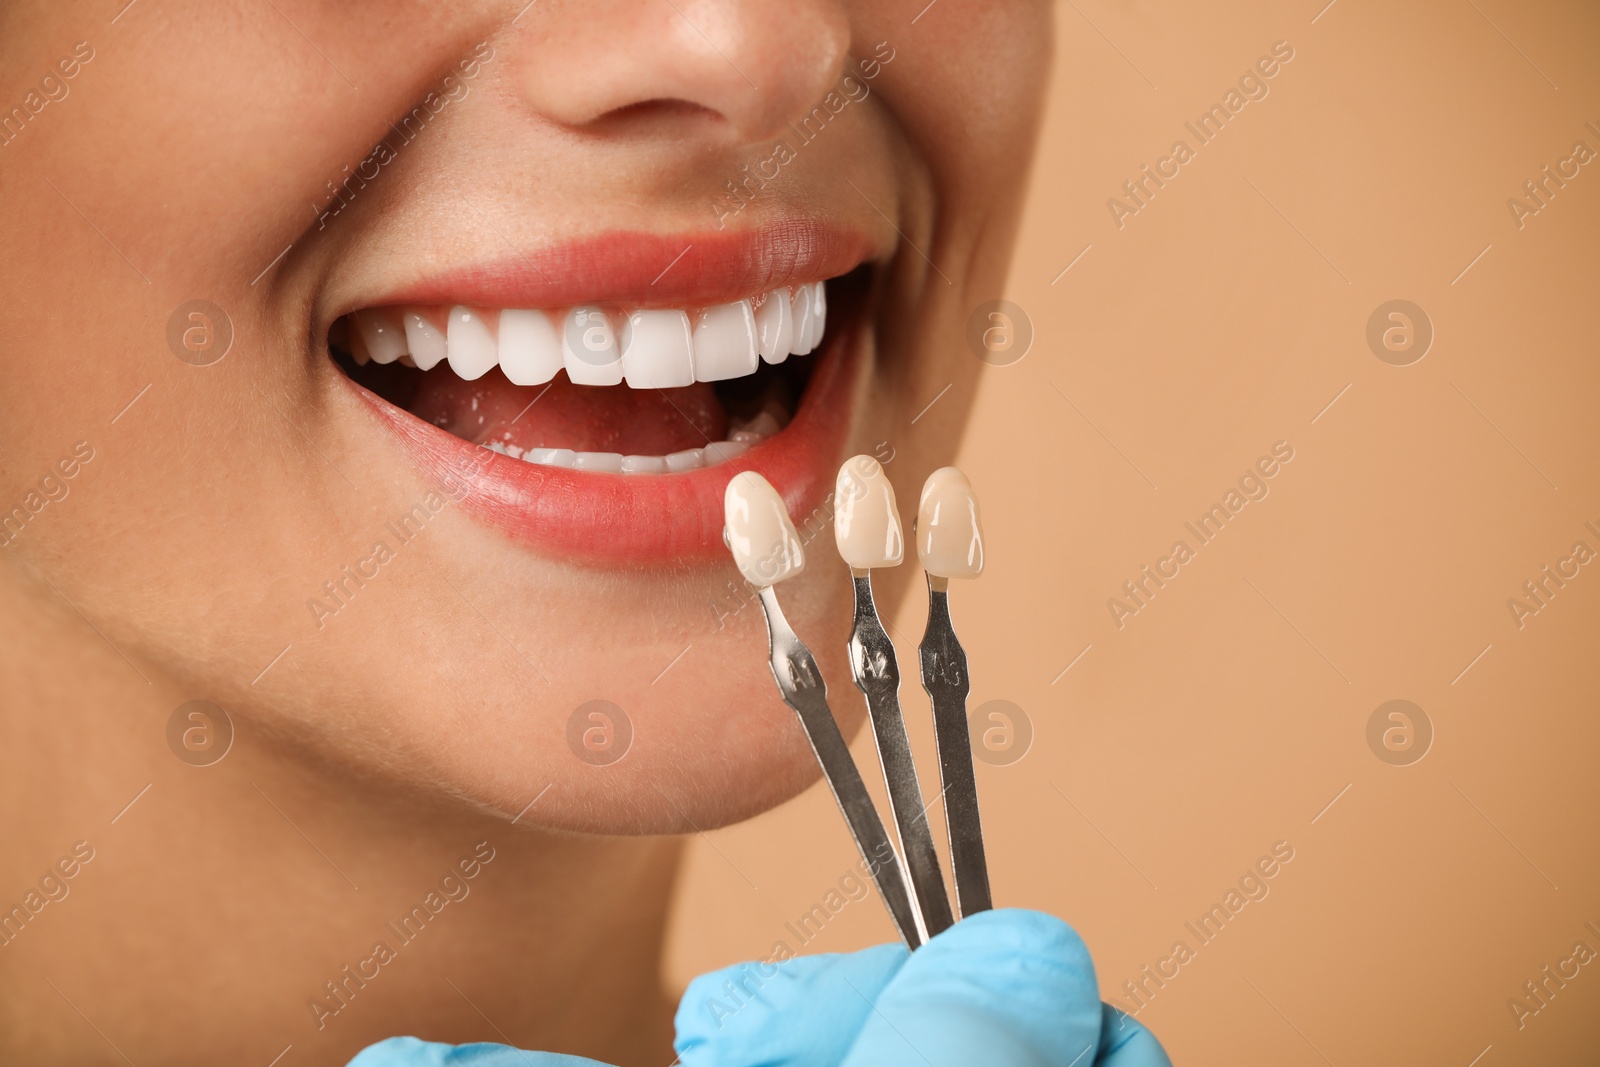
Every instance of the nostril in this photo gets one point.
(648, 111)
(753, 65)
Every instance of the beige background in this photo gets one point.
(1223, 317)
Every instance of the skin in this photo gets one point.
(424, 717)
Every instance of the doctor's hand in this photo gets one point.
(1002, 989)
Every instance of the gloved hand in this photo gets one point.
(1001, 989)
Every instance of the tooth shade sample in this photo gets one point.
(725, 342)
(424, 341)
(590, 348)
(866, 521)
(530, 351)
(763, 541)
(949, 535)
(656, 349)
(382, 333)
(775, 326)
(469, 346)
(803, 308)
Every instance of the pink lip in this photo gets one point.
(647, 270)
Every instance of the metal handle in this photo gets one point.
(804, 690)
(876, 671)
(944, 676)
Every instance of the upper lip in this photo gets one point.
(639, 270)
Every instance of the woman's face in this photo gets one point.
(342, 566)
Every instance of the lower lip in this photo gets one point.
(602, 519)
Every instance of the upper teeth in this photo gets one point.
(650, 348)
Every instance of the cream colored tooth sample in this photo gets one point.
(866, 521)
(423, 340)
(530, 351)
(385, 338)
(725, 342)
(470, 347)
(949, 535)
(775, 326)
(763, 541)
(590, 348)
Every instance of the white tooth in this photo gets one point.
(725, 342)
(610, 462)
(358, 349)
(423, 340)
(776, 407)
(819, 316)
(551, 457)
(763, 424)
(469, 345)
(687, 460)
(819, 307)
(655, 350)
(722, 451)
(589, 348)
(644, 464)
(775, 326)
(804, 316)
(530, 352)
(382, 333)
(745, 437)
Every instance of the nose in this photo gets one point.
(748, 67)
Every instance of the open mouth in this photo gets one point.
(649, 391)
(606, 433)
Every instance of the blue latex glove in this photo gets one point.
(1001, 989)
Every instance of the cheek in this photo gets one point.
(972, 90)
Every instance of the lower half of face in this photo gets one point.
(436, 495)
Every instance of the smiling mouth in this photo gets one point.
(604, 433)
(646, 391)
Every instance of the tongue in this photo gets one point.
(584, 418)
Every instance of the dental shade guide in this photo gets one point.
(950, 545)
(767, 550)
(867, 530)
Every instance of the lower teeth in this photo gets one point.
(740, 440)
